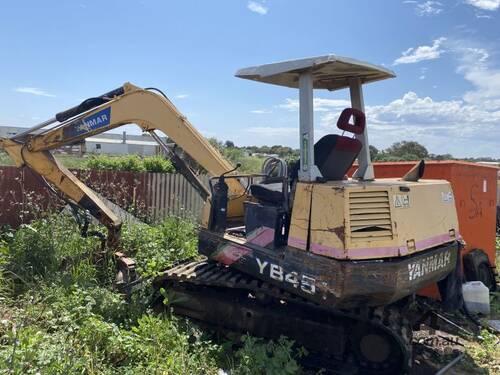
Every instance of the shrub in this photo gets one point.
(258, 356)
(49, 246)
(158, 164)
(132, 163)
(157, 247)
(66, 320)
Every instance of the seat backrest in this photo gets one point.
(334, 155)
(270, 193)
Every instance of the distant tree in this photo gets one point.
(229, 144)
(407, 150)
(441, 156)
(373, 152)
(216, 143)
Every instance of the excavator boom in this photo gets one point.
(128, 104)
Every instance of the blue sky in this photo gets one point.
(53, 54)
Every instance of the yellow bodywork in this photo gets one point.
(372, 219)
(149, 111)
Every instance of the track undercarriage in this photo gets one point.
(362, 341)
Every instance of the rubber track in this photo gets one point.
(211, 274)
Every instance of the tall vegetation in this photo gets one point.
(59, 313)
(132, 163)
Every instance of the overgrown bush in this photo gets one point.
(50, 249)
(258, 356)
(157, 247)
(132, 163)
(63, 316)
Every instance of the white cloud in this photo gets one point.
(272, 131)
(421, 53)
(182, 96)
(423, 73)
(256, 7)
(484, 4)
(261, 111)
(447, 126)
(33, 91)
(320, 104)
(429, 8)
(466, 126)
(474, 66)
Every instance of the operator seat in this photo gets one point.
(334, 154)
(268, 194)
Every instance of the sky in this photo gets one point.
(446, 55)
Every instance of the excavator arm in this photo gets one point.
(128, 104)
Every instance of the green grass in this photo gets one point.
(60, 315)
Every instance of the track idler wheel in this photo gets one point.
(384, 347)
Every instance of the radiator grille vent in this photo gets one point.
(370, 215)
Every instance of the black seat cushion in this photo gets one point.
(266, 194)
(334, 155)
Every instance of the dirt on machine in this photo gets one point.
(302, 250)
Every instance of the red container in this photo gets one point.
(475, 189)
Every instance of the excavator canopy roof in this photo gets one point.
(329, 72)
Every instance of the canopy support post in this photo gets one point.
(365, 167)
(308, 170)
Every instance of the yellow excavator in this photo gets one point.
(331, 261)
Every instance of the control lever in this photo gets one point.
(219, 202)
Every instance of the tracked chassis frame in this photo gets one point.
(362, 341)
(362, 329)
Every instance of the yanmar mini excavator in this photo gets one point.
(331, 261)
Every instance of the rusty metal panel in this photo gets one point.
(21, 194)
(154, 194)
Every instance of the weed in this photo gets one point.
(258, 356)
(155, 248)
(63, 317)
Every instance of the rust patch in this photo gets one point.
(339, 232)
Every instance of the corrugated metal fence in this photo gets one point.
(171, 194)
(156, 195)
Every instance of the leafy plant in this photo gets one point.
(64, 317)
(258, 356)
(157, 247)
(132, 163)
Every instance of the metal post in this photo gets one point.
(365, 168)
(308, 170)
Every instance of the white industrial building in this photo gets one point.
(121, 144)
(106, 143)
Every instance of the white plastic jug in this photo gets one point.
(476, 297)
